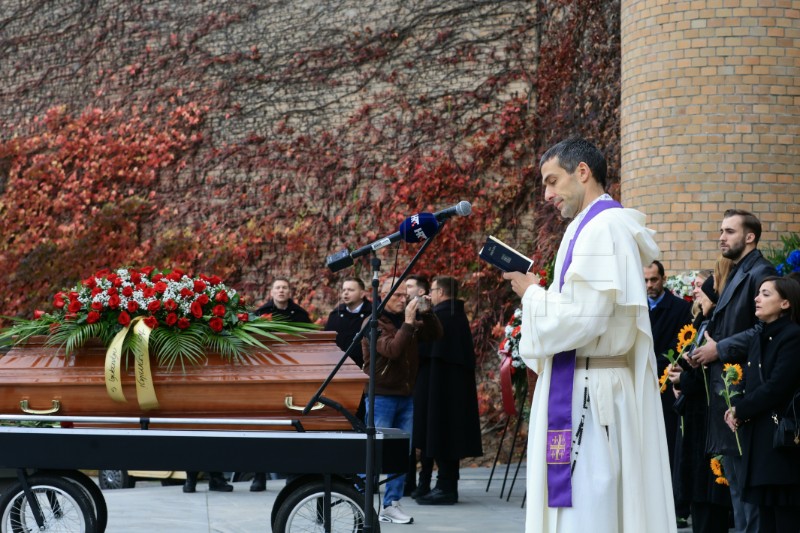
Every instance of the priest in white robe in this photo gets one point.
(596, 306)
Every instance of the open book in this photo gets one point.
(504, 257)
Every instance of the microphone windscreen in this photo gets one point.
(419, 227)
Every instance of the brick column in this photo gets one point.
(710, 119)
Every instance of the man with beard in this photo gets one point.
(735, 312)
(446, 423)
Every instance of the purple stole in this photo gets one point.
(559, 402)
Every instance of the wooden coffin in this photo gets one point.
(35, 377)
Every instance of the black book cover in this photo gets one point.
(504, 257)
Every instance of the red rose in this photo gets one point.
(221, 296)
(172, 318)
(199, 285)
(244, 317)
(175, 275)
(124, 318)
(117, 282)
(89, 282)
(215, 280)
(92, 317)
(102, 273)
(197, 309)
(267, 316)
(151, 322)
(154, 306)
(97, 305)
(215, 324)
(37, 314)
(203, 299)
(96, 291)
(157, 278)
(113, 301)
(132, 306)
(219, 310)
(112, 291)
(183, 322)
(170, 305)
(542, 282)
(160, 287)
(74, 306)
(241, 300)
(148, 292)
(58, 301)
(135, 277)
(111, 277)
(73, 295)
(147, 270)
(127, 291)
(186, 292)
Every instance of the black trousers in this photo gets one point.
(709, 518)
(778, 519)
(447, 475)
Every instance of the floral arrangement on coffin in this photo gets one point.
(513, 371)
(135, 310)
(786, 260)
(681, 285)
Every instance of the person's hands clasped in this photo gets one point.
(675, 374)
(705, 354)
(520, 282)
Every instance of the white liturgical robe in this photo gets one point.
(621, 482)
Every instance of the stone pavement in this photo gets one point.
(152, 508)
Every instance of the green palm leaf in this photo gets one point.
(178, 346)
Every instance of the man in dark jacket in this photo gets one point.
(668, 315)
(446, 423)
(348, 316)
(281, 305)
(396, 368)
(735, 312)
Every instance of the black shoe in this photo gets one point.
(190, 485)
(259, 483)
(438, 497)
(421, 490)
(217, 483)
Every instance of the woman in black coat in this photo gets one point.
(772, 374)
(709, 502)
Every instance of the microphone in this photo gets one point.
(462, 209)
(413, 229)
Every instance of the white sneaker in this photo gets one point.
(395, 515)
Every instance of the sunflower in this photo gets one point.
(733, 373)
(662, 381)
(716, 467)
(721, 481)
(685, 337)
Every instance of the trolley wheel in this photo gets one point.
(65, 506)
(94, 492)
(115, 479)
(302, 509)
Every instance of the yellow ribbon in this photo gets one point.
(145, 391)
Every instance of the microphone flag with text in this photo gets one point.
(415, 228)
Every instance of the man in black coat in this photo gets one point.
(348, 316)
(735, 312)
(668, 315)
(280, 303)
(446, 424)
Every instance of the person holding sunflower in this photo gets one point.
(771, 476)
(696, 482)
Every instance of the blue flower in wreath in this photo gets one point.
(794, 260)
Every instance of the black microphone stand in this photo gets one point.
(372, 327)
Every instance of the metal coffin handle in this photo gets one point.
(56, 405)
(290, 405)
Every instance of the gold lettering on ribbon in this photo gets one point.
(145, 390)
(113, 366)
